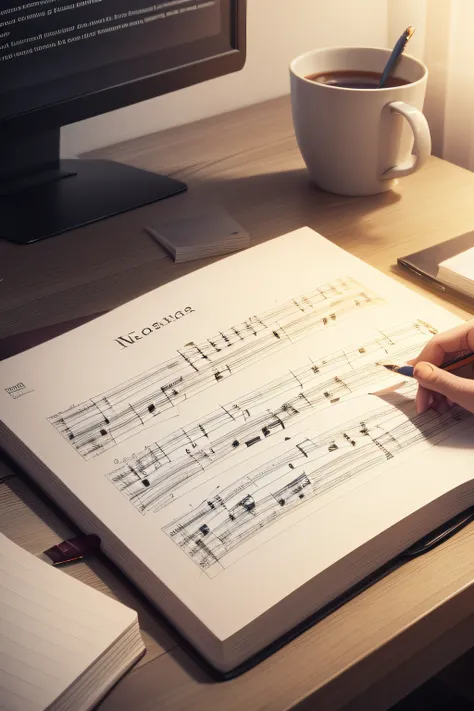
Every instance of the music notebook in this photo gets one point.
(62, 644)
(237, 444)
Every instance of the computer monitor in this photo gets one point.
(62, 61)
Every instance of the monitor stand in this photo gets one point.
(42, 196)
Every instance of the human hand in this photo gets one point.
(437, 388)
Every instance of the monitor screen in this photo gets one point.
(55, 51)
(62, 61)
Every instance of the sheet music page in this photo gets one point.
(52, 628)
(226, 426)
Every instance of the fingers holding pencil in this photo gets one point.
(448, 345)
(438, 388)
(434, 382)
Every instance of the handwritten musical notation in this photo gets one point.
(154, 477)
(310, 467)
(101, 422)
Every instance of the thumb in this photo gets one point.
(459, 390)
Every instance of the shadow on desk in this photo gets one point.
(21, 342)
(273, 203)
(434, 696)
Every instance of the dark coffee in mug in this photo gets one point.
(354, 79)
(358, 142)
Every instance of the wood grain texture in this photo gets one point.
(392, 637)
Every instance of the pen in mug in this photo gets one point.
(395, 56)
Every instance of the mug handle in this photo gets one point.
(421, 146)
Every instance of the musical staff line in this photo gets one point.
(96, 425)
(315, 465)
(154, 477)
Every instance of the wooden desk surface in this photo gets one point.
(405, 628)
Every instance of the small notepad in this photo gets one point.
(458, 272)
(62, 643)
(206, 234)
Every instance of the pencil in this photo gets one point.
(450, 365)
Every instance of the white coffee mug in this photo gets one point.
(359, 141)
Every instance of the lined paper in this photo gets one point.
(52, 628)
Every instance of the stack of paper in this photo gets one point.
(458, 272)
(62, 644)
(207, 234)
